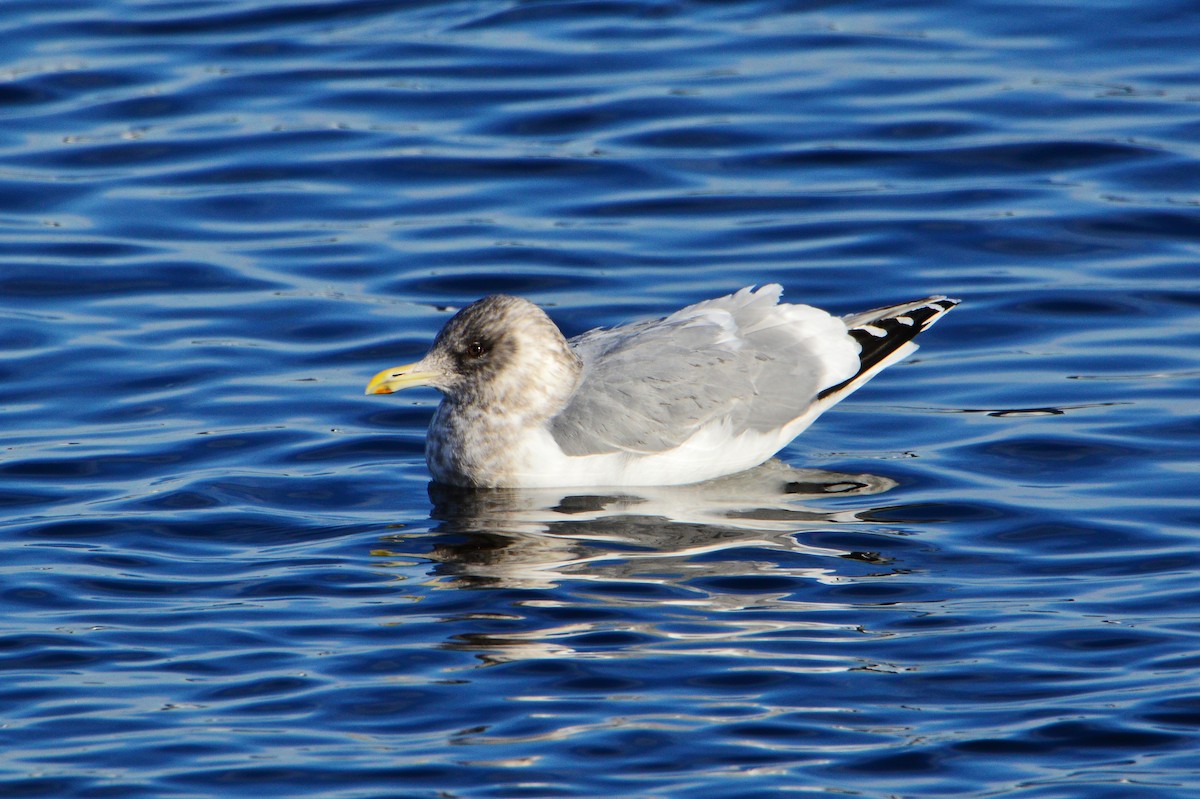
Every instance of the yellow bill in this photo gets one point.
(399, 378)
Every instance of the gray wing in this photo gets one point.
(740, 360)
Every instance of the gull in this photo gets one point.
(713, 389)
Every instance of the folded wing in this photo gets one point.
(742, 361)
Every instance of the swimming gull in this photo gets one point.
(712, 389)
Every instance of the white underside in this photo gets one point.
(708, 454)
(712, 452)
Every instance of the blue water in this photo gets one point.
(225, 574)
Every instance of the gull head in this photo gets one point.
(502, 353)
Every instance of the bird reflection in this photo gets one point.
(643, 546)
(531, 538)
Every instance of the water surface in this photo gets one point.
(226, 573)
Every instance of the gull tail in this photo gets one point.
(885, 335)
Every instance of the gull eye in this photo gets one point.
(476, 349)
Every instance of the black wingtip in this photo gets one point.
(880, 333)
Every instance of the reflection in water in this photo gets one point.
(692, 555)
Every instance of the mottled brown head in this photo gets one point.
(483, 339)
(500, 352)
